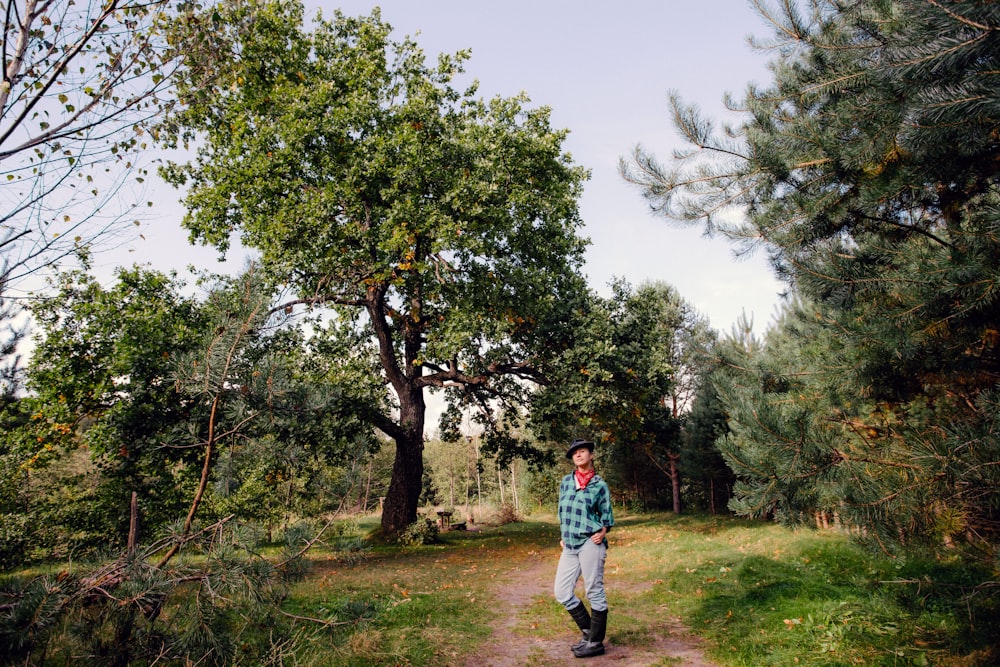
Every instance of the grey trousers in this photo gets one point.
(587, 560)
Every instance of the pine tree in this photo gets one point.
(868, 171)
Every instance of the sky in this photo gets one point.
(605, 70)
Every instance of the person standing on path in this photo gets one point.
(584, 519)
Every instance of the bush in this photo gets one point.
(507, 513)
(421, 531)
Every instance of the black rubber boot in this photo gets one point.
(582, 618)
(595, 641)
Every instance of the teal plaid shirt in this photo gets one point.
(583, 512)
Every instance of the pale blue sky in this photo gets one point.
(604, 68)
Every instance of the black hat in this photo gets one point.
(577, 444)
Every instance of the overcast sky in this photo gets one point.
(605, 69)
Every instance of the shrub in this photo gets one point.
(507, 513)
(421, 531)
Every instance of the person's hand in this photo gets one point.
(598, 537)
(561, 545)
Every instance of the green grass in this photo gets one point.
(757, 592)
(430, 602)
(763, 594)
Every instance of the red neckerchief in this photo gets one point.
(583, 478)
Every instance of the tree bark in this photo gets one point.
(206, 468)
(133, 523)
(479, 485)
(675, 481)
(403, 497)
(513, 488)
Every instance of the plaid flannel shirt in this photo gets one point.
(583, 512)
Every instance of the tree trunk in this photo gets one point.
(675, 481)
(368, 488)
(513, 488)
(468, 481)
(206, 468)
(479, 485)
(133, 523)
(403, 496)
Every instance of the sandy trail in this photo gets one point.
(513, 646)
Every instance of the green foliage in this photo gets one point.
(785, 424)
(102, 405)
(438, 228)
(476, 484)
(631, 371)
(709, 479)
(429, 494)
(867, 170)
(253, 401)
(131, 383)
(11, 335)
(198, 593)
(456, 467)
(421, 531)
(16, 453)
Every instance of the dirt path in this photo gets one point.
(514, 645)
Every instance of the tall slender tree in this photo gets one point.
(442, 226)
(80, 83)
(664, 343)
(710, 480)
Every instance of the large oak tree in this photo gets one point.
(441, 225)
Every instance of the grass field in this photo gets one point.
(758, 594)
(745, 593)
